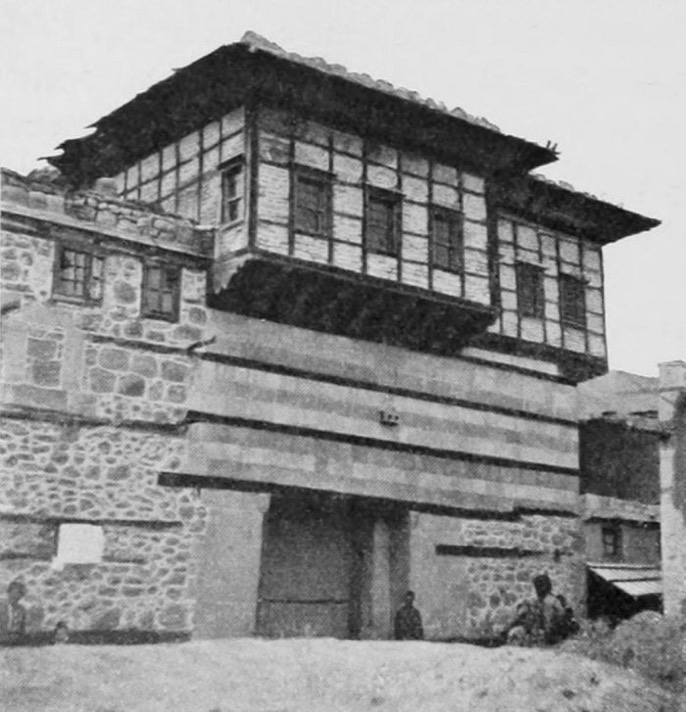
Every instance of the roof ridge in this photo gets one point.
(254, 41)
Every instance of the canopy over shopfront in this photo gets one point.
(620, 590)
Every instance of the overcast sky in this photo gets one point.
(604, 79)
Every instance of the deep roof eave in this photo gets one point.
(506, 153)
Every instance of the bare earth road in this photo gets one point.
(311, 675)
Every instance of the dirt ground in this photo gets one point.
(311, 675)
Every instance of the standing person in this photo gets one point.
(408, 620)
(13, 614)
(569, 625)
(549, 612)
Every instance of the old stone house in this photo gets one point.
(289, 342)
(620, 438)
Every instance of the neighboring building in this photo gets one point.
(357, 377)
(673, 485)
(619, 441)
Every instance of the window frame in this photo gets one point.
(323, 182)
(611, 540)
(524, 271)
(230, 170)
(154, 313)
(93, 254)
(394, 201)
(455, 245)
(572, 303)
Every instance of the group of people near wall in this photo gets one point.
(544, 620)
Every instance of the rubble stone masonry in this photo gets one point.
(100, 402)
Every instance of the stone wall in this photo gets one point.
(469, 574)
(97, 400)
(54, 474)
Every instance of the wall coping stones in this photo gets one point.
(104, 214)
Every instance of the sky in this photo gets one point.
(603, 79)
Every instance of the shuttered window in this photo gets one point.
(161, 290)
(382, 220)
(446, 239)
(572, 301)
(530, 297)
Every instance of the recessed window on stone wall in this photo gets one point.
(572, 301)
(233, 190)
(446, 239)
(78, 273)
(312, 202)
(612, 541)
(79, 544)
(530, 296)
(382, 221)
(161, 290)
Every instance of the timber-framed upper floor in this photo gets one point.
(343, 204)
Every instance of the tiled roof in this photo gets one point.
(255, 41)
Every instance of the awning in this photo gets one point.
(633, 579)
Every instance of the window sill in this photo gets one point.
(312, 233)
(393, 255)
(231, 223)
(76, 301)
(455, 271)
(170, 318)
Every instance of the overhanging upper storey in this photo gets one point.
(257, 71)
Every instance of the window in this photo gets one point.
(78, 273)
(530, 300)
(383, 222)
(612, 541)
(232, 192)
(161, 288)
(79, 544)
(446, 236)
(572, 301)
(312, 202)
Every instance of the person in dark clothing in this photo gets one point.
(408, 620)
(13, 615)
(568, 625)
(549, 612)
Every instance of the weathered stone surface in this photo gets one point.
(94, 474)
(47, 373)
(172, 371)
(144, 365)
(132, 385)
(173, 617)
(102, 381)
(124, 293)
(176, 394)
(116, 359)
(43, 349)
(196, 315)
